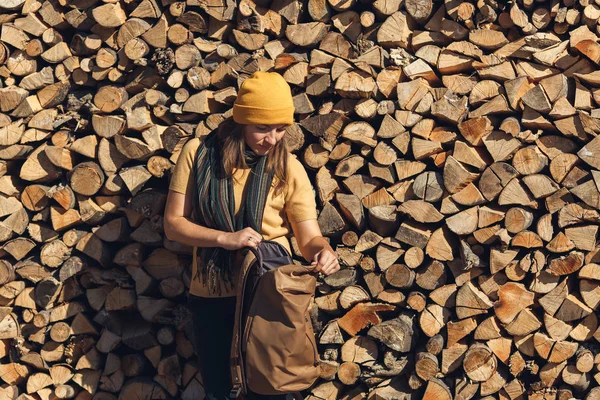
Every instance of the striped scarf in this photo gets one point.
(214, 207)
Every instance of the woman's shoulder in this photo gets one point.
(192, 144)
(299, 195)
(188, 152)
(294, 166)
(184, 166)
(297, 175)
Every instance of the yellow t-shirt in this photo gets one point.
(296, 203)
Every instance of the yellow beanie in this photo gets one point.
(264, 98)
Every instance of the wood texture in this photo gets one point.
(454, 151)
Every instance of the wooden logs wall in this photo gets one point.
(453, 145)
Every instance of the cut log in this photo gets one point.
(480, 363)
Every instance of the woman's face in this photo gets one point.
(262, 138)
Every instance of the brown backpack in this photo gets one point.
(273, 349)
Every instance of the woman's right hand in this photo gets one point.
(246, 237)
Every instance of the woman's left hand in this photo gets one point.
(326, 261)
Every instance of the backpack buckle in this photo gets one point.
(235, 392)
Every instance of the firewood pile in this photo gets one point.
(454, 151)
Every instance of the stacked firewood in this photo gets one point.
(455, 154)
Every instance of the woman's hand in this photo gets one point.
(179, 227)
(315, 247)
(326, 261)
(246, 237)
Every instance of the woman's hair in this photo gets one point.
(230, 136)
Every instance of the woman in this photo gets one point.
(216, 200)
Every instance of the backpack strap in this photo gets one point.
(238, 378)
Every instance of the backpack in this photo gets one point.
(273, 350)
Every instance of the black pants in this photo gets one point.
(213, 320)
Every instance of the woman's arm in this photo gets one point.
(314, 247)
(180, 228)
